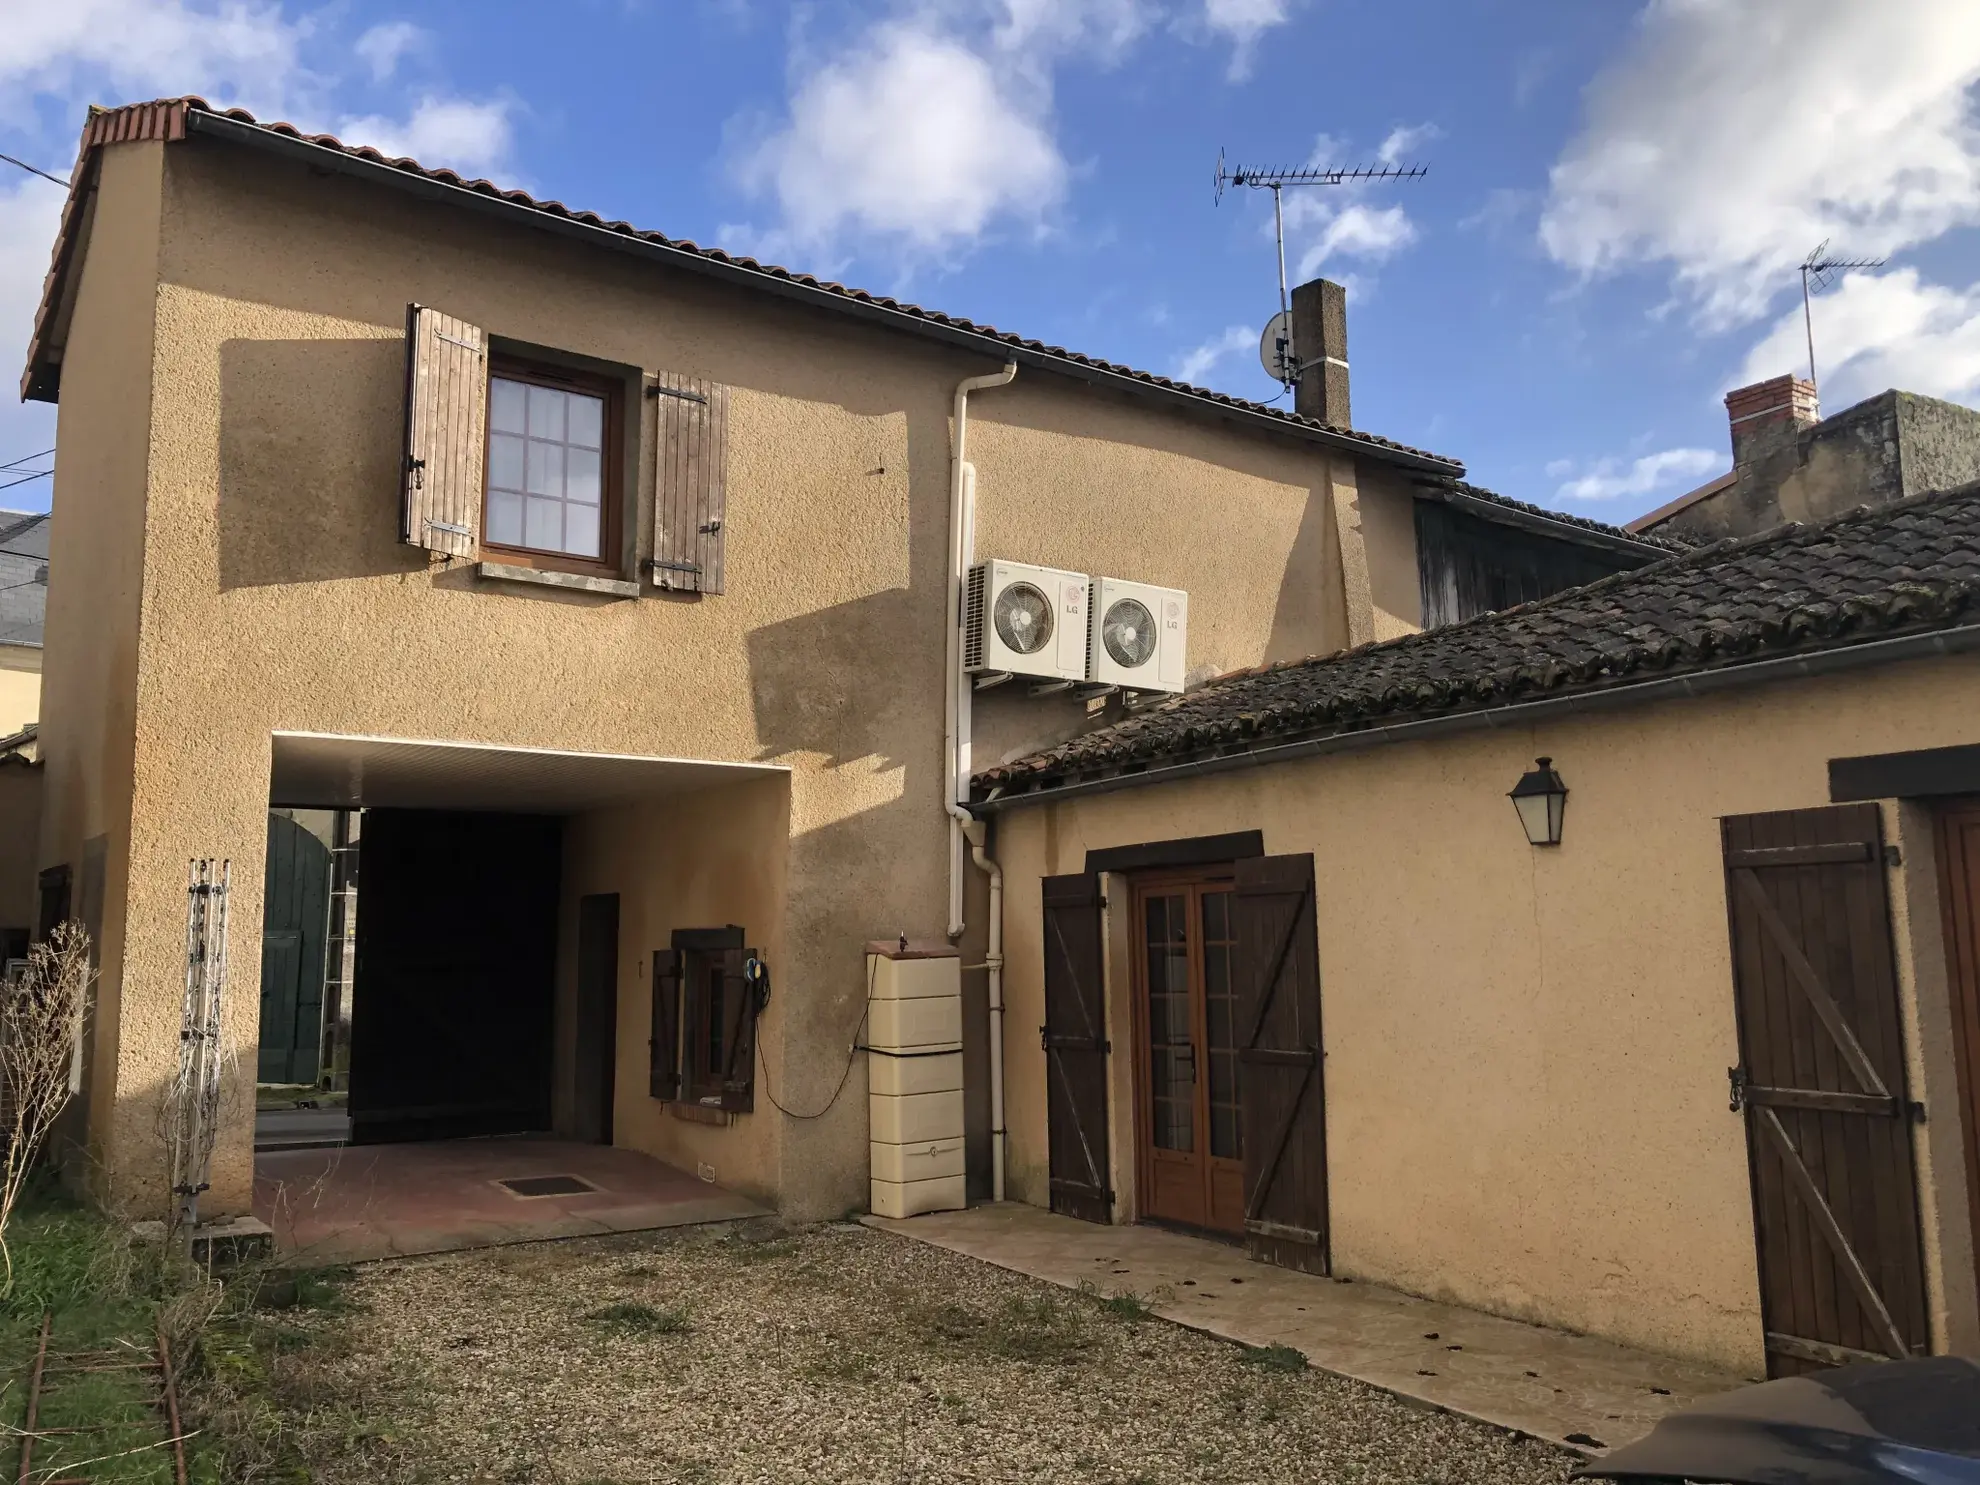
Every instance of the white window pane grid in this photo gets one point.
(545, 468)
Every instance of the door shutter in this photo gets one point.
(446, 432)
(738, 1033)
(1821, 1082)
(690, 483)
(1075, 1042)
(1276, 964)
(665, 1080)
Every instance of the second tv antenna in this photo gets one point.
(1276, 348)
(1818, 271)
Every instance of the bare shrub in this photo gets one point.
(40, 1018)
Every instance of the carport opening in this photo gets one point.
(410, 946)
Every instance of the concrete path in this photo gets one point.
(348, 1204)
(1572, 1390)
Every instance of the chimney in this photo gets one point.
(1769, 415)
(1319, 336)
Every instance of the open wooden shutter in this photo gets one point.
(446, 432)
(1822, 1083)
(1277, 967)
(690, 483)
(665, 1080)
(1075, 1040)
(738, 1033)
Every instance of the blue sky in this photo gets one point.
(1618, 193)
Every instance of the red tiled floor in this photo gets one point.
(385, 1201)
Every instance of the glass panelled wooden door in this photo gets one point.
(1188, 1131)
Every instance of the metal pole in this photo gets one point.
(1285, 307)
(1808, 323)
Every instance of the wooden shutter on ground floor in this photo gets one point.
(738, 1011)
(1277, 967)
(1822, 1083)
(690, 483)
(665, 1047)
(446, 432)
(1075, 1041)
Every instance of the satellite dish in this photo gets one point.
(1275, 350)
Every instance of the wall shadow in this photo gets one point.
(802, 672)
(310, 443)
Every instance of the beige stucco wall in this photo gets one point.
(277, 596)
(717, 856)
(90, 655)
(1526, 1050)
(20, 687)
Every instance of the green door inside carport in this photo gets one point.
(295, 921)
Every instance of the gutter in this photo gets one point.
(322, 157)
(1962, 640)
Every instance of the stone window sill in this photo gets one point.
(505, 572)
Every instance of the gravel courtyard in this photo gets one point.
(833, 1353)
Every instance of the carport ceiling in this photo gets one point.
(323, 771)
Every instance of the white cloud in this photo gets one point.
(1610, 479)
(1331, 222)
(1733, 135)
(246, 52)
(467, 136)
(30, 209)
(1196, 364)
(912, 137)
(386, 44)
(927, 130)
(1242, 22)
(1881, 330)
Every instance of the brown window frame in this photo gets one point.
(702, 985)
(611, 468)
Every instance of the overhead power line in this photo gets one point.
(36, 170)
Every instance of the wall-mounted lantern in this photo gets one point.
(1541, 799)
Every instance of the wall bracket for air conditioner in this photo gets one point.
(1048, 688)
(1094, 690)
(991, 678)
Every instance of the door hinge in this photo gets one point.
(1736, 1076)
(657, 391)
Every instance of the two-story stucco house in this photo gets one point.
(616, 581)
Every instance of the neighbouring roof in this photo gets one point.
(172, 119)
(23, 747)
(1910, 569)
(1645, 525)
(23, 576)
(1493, 506)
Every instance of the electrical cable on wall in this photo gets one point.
(845, 1074)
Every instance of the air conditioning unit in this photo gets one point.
(1025, 620)
(1137, 636)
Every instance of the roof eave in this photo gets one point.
(1959, 639)
(1525, 520)
(43, 374)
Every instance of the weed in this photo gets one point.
(1030, 1328)
(633, 1317)
(845, 1366)
(1127, 1305)
(1274, 1358)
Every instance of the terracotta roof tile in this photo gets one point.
(1867, 575)
(161, 118)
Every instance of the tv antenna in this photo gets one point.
(1275, 349)
(1818, 271)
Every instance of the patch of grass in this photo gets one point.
(1125, 1305)
(318, 1289)
(1027, 1328)
(845, 1366)
(632, 1317)
(1273, 1358)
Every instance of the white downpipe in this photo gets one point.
(993, 961)
(955, 710)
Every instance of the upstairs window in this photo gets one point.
(551, 492)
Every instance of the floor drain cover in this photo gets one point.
(547, 1185)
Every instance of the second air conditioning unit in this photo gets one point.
(1025, 620)
(1137, 636)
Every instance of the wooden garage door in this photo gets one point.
(1280, 1060)
(1074, 1037)
(1821, 1082)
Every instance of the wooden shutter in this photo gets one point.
(1075, 1041)
(1821, 1082)
(665, 1079)
(690, 483)
(1277, 967)
(738, 1011)
(446, 432)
